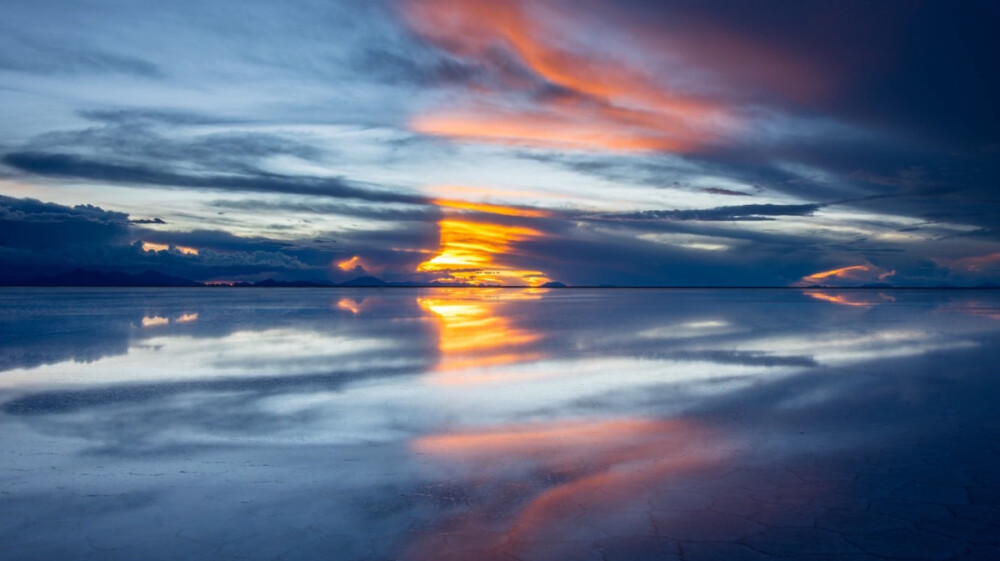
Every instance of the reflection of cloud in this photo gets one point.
(349, 304)
(157, 321)
(843, 299)
(698, 328)
(187, 318)
(594, 471)
(856, 299)
(545, 470)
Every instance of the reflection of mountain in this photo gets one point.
(84, 325)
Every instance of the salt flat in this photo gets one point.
(499, 424)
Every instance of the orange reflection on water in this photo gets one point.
(474, 332)
(546, 441)
(187, 318)
(858, 300)
(598, 471)
(351, 305)
(839, 299)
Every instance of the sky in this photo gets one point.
(590, 142)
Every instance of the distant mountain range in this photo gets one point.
(82, 277)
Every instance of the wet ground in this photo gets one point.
(499, 424)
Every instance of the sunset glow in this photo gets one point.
(500, 280)
(491, 208)
(841, 299)
(481, 252)
(149, 246)
(548, 439)
(349, 264)
(837, 272)
(615, 105)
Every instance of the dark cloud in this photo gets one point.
(728, 192)
(76, 167)
(132, 116)
(31, 225)
(39, 238)
(386, 212)
(722, 213)
(883, 114)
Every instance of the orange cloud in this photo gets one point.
(842, 272)
(607, 104)
(491, 208)
(150, 246)
(480, 252)
(349, 264)
(852, 274)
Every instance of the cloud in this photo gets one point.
(381, 211)
(31, 225)
(722, 213)
(53, 56)
(47, 238)
(290, 128)
(549, 89)
(76, 167)
(729, 192)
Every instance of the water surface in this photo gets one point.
(499, 424)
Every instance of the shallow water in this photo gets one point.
(499, 424)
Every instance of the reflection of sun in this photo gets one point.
(475, 333)
(476, 252)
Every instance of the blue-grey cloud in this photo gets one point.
(722, 213)
(76, 167)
